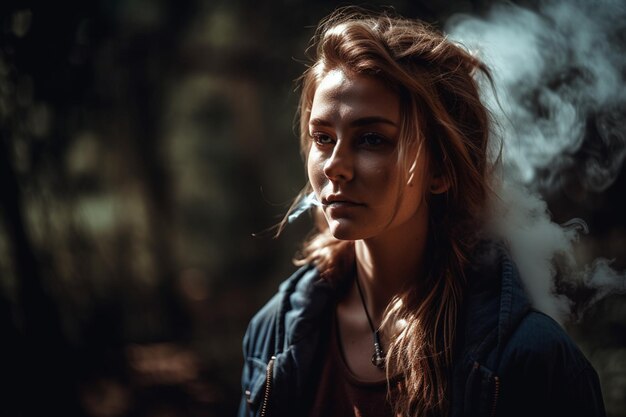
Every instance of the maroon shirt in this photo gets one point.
(341, 394)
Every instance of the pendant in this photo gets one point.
(378, 358)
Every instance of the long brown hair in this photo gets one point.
(441, 110)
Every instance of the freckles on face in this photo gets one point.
(352, 163)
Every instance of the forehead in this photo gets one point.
(344, 94)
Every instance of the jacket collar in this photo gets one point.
(307, 299)
(495, 302)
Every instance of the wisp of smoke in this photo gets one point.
(559, 75)
(308, 201)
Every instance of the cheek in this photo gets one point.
(314, 169)
(378, 173)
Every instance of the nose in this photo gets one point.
(338, 167)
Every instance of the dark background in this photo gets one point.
(142, 144)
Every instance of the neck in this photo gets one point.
(388, 263)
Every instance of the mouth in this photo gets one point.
(339, 201)
(341, 204)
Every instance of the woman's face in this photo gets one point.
(352, 164)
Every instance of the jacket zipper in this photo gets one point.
(496, 393)
(268, 386)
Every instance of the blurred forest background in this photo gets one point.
(142, 144)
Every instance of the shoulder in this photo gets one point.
(543, 372)
(539, 339)
(269, 322)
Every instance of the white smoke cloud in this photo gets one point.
(561, 105)
(554, 68)
(522, 220)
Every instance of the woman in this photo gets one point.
(400, 308)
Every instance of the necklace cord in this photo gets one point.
(378, 358)
(367, 314)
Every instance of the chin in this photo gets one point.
(342, 230)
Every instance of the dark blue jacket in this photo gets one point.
(511, 360)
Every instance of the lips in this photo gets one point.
(337, 200)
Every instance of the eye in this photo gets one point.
(321, 139)
(371, 139)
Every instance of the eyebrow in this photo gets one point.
(363, 121)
